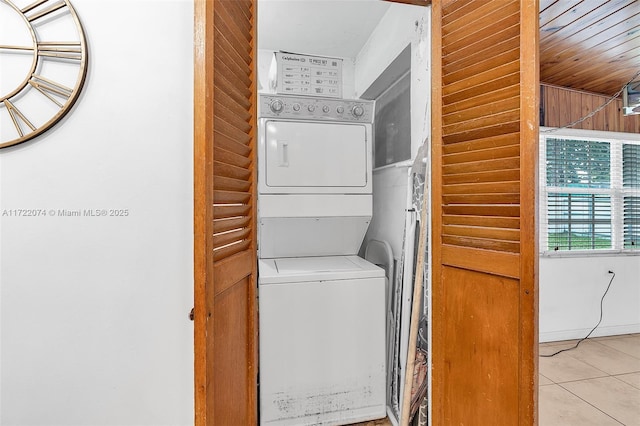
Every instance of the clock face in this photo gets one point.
(43, 64)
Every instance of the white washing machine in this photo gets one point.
(321, 307)
(321, 341)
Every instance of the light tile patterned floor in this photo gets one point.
(596, 384)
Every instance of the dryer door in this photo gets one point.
(315, 157)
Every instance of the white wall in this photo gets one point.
(570, 293)
(400, 26)
(94, 310)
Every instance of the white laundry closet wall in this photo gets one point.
(400, 26)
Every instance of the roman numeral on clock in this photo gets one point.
(17, 117)
(42, 12)
(71, 50)
(52, 90)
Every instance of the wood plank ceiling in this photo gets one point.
(589, 45)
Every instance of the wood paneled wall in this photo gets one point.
(560, 106)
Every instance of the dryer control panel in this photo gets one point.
(322, 109)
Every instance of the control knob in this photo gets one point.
(296, 107)
(340, 109)
(311, 108)
(325, 109)
(276, 106)
(357, 111)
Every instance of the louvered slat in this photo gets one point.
(481, 199)
(231, 132)
(232, 119)
(242, 15)
(454, 10)
(482, 122)
(231, 197)
(229, 82)
(471, 50)
(481, 166)
(483, 232)
(487, 108)
(485, 21)
(481, 78)
(223, 98)
(227, 252)
(482, 177)
(486, 221)
(482, 210)
(227, 238)
(483, 132)
(227, 184)
(224, 84)
(231, 158)
(479, 55)
(491, 86)
(233, 146)
(234, 20)
(229, 171)
(224, 225)
(237, 68)
(234, 41)
(495, 158)
(495, 96)
(483, 65)
(482, 243)
(481, 144)
(224, 211)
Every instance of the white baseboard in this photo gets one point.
(554, 336)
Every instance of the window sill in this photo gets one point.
(589, 253)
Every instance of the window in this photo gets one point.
(590, 192)
(631, 190)
(393, 124)
(392, 121)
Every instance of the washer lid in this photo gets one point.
(303, 269)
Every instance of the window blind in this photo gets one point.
(630, 166)
(579, 221)
(578, 163)
(632, 223)
(590, 193)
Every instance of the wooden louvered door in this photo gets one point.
(485, 137)
(225, 311)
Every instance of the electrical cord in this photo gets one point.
(595, 111)
(593, 329)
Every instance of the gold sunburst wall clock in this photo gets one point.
(43, 65)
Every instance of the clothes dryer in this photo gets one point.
(321, 307)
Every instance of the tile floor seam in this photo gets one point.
(619, 379)
(598, 368)
(582, 380)
(626, 353)
(587, 402)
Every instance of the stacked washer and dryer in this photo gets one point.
(321, 307)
